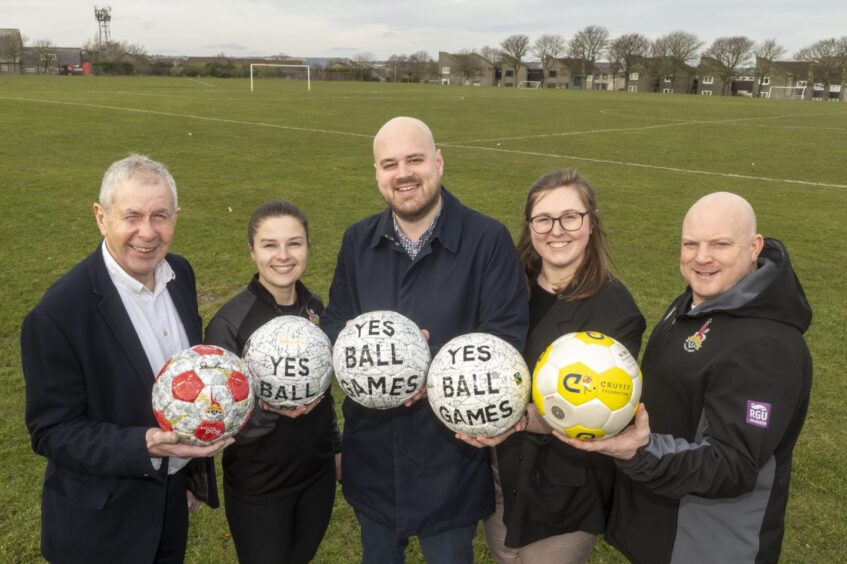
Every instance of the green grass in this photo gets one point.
(649, 157)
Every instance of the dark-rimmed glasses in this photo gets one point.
(569, 221)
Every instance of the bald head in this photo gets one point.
(403, 127)
(729, 210)
(408, 172)
(720, 245)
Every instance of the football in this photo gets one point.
(380, 359)
(478, 385)
(586, 385)
(290, 361)
(203, 394)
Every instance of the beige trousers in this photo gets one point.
(569, 548)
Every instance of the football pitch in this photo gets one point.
(649, 157)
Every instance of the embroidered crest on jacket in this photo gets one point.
(695, 341)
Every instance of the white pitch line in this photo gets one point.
(189, 116)
(652, 167)
(201, 82)
(453, 145)
(629, 129)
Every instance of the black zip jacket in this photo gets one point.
(273, 456)
(727, 388)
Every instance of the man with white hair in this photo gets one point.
(727, 377)
(116, 487)
(452, 271)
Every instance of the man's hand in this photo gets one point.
(621, 446)
(193, 503)
(481, 441)
(292, 412)
(164, 443)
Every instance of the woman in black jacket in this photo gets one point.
(279, 475)
(552, 500)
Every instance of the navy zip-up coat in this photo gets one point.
(401, 467)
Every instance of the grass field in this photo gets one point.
(649, 157)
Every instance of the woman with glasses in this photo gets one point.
(553, 500)
(279, 476)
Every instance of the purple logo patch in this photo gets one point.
(758, 413)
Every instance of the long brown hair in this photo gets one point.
(595, 269)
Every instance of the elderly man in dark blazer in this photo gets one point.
(116, 487)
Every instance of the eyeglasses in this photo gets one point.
(569, 221)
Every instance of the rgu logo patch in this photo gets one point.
(695, 342)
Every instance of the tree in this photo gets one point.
(469, 64)
(675, 51)
(420, 66)
(365, 62)
(625, 50)
(547, 48)
(828, 58)
(116, 57)
(514, 48)
(492, 54)
(397, 68)
(726, 55)
(588, 44)
(45, 52)
(766, 53)
(11, 49)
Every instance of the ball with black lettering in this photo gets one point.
(290, 360)
(478, 385)
(380, 359)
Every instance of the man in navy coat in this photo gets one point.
(116, 487)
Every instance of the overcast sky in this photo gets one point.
(343, 28)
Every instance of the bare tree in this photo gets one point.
(11, 49)
(726, 55)
(766, 53)
(419, 66)
(119, 56)
(365, 62)
(625, 50)
(675, 51)
(588, 44)
(827, 58)
(45, 52)
(469, 63)
(547, 48)
(492, 54)
(514, 48)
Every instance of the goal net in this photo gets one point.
(287, 72)
(786, 92)
(529, 84)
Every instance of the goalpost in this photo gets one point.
(786, 92)
(308, 73)
(529, 84)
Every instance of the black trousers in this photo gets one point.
(286, 531)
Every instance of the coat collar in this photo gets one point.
(448, 231)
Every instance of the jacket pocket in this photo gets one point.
(77, 491)
(557, 468)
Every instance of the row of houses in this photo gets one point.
(646, 74)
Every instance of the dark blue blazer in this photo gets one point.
(88, 407)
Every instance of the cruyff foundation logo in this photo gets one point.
(695, 342)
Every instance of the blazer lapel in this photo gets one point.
(118, 321)
(183, 302)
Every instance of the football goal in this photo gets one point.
(269, 70)
(529, 84)
(786, 92)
